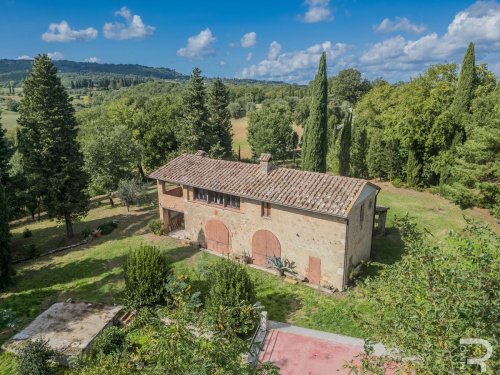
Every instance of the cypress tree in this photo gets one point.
(359, 149)
(345, 146)
(51, 155)
(466, 83)
(6, 270)
(413, 168)
(315, 142)
(220, 119)
(194, 134)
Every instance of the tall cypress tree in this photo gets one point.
(466, 83)
(359, 149)
(220, 119)
(315, 142)
(195, 129)
(345, 146)
(51, 155)
(6, 270)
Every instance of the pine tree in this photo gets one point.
(51, 155)
(345, 146)
(6, 152)
(359, 148)
(220, 120)
(466, 83)
(315, 143)
(195, 130)
(6, 270)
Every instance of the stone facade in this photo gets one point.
(329, 244)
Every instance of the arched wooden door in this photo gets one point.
(264, 245)
(217, 236)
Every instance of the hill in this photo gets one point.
(17, 70)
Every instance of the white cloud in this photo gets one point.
(480, 23)
(133, 28)
(249, 40)
(24, 57)
(249, 56)
(62, 32)
(199, 46)
(55, 55)
(274, 50)
(399, 24)
(297, 66)
(93, 59)
(318, 11)
(222, 63)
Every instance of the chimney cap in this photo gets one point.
(265, 157)
(201, 153)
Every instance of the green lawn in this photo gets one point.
(94, 273)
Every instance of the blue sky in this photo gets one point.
(279, 39)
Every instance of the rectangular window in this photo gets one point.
(216, 198)
(266, 209)
(201, 194)
(232, 201)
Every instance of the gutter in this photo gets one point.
(345, 276)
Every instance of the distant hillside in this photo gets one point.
(17, 70)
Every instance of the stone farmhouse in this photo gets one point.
(323, 223)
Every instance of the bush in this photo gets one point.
(31, 250)
(156, 226)
(27, 233)
(33, 359)
(111, 340)
(230, 299)
(146, 270)
(107, 227)
(87, 232)
(8, 319)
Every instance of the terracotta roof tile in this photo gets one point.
(318, 192)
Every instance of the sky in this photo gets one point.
(270, 40)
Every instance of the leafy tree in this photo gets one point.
(315, 142)
(345, 146)
(6, 270)
(270, 131)
(109, 154)
(221, 128)
(348, 86)
(413, 169)
(146, 269)
(195, 119)
(453, 293)
(131, 191)
(47, 141)
(466, 83)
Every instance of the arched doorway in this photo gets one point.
(264, 245)
(217, 236)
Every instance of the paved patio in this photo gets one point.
(301, 351)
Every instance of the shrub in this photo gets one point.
(230, 299)
(111, 340)
(8, 319)
(146, 270)
(87, 232)
(27, 233)
(132, 192)
(178, 292)
(34, 358)
(156, 226)
(107, 228)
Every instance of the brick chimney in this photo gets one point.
(266, 164)
(201, 153)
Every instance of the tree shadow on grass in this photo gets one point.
(387, 250)
(280, 305)
(53, 237)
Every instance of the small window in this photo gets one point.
(232, 201)
(361, 215)
(201, 194)
(216, 198)
(266, 209)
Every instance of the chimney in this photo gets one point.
(201, 153)
(266, 164)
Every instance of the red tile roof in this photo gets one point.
(312, 191)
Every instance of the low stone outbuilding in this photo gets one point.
(321, 222)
